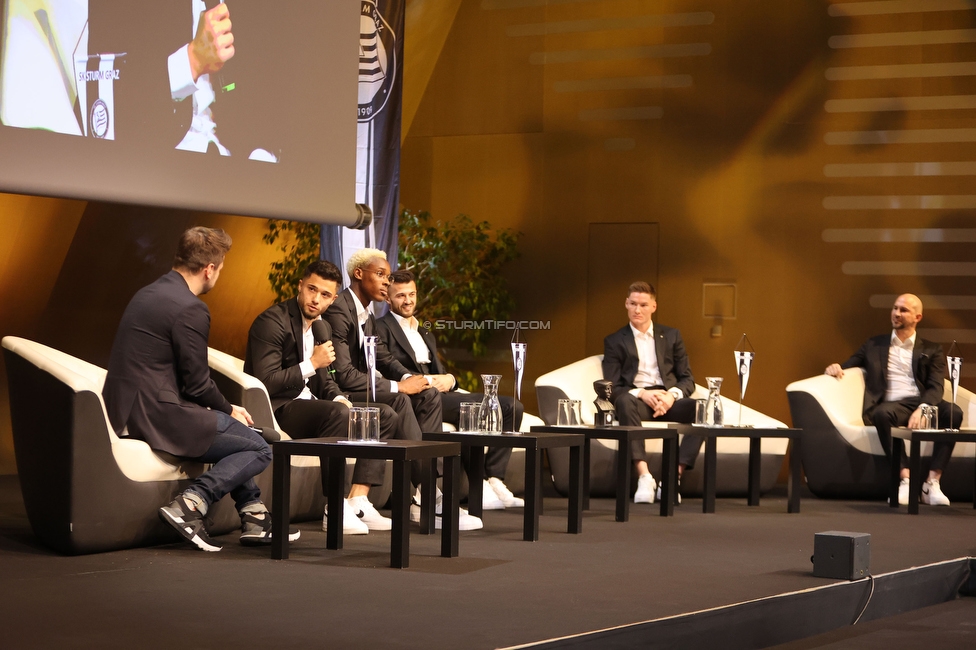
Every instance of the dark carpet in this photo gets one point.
(501, 591)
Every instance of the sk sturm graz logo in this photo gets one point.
(377, 61)
(98, 119)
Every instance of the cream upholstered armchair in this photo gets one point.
(86, 489)
(575, 381)
(843, 458)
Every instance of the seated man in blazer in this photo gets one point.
(282, 352)
(158, 388)
(651, 381)
(416, 348)
(351, 321)
(902, 373)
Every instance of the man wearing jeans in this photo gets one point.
(158, 389)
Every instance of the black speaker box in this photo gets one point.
(841, 555)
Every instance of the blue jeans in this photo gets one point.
(239, 454)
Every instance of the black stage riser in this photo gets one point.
(787, 617)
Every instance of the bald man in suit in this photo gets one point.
(903, 372)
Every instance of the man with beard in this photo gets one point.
(297, 371)
(903, 373)
(416, 348)
(158, 389)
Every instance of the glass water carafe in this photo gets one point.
(713, 406)
(490, 414)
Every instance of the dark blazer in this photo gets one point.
(350, 363)
(620, 359)
(390, 332)
(158, 382)
(274, 350)
(928, 366)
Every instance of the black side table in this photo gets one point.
(533, 443)
(624, 435)
(755, 435)
(337, 450)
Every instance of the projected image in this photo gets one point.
(183, 74)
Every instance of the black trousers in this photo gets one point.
(303, 418)
(416, 414)
(631, 410)
(496, 458)
(895, 414)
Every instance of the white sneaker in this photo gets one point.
(903, 490)
(646, 487)
(368, 514)
(466, 521)
(504, 494)
(490, 500)
(932, 493)
(351, 524)
(658, 493)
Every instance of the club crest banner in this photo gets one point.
(378, 141)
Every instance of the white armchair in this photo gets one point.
(842, 457)
(86, 489)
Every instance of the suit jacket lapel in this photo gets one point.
(350, 308)
(883, 351)
(659, 344)
(917, 353)
(295, 315)
(401, 338)
(431, 343)
(630, 345)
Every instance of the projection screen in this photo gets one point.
(112, 100)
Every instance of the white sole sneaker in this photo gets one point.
(189, 524)
(504, 494)
(646, 487)
(489, 499)
(368, 514)
(351, 525)
(466, 521)
(932, 494)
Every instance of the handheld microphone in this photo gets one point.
(320, 334)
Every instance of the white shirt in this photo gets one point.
(308, 343)
(648, 372)
(901, 377)
(420, 349)
(409, 326)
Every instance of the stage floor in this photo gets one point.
(501, 591)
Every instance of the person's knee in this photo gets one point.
(884, 414)
(399, 402)
(389, 421)
(264, 453)
(626, 406)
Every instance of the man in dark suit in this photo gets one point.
(158, 387)
(416, 348)
(902, 373)
(351, 321)
(282, 352)
(651, 379)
